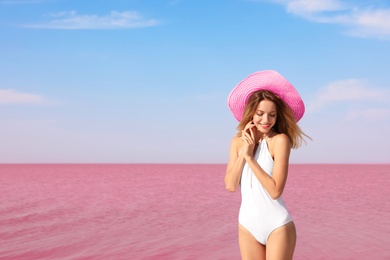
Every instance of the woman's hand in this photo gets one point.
(248, 136)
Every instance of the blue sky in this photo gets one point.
(142, 81)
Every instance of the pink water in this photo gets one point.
(183, 212)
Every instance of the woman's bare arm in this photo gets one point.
(281, 151)
(235, 165)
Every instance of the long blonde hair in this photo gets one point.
(285, 121)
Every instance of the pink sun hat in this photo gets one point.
(265, 80)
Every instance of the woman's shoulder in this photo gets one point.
(279, 142)
(280, 138)
(236, 142)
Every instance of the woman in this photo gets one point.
(268, 108)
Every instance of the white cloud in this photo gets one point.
(358, 20)
(369, 23)
(71, 20)
(369, 115)
(313, 6)
(346, 90)
(9, 96)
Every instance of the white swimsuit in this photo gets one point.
(259, 213)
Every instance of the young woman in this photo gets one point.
(268, 108)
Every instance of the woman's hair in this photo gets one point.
(285, 121)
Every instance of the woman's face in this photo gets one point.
(265, 116)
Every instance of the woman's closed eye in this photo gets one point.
(271, 115)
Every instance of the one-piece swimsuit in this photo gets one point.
(259, 213)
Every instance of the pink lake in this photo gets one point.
(180, 211)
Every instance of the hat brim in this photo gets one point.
(265, 80)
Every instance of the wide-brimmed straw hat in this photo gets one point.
(265, 80)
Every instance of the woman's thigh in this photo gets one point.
(250, 248)
(281, 242)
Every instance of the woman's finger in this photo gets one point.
(252, 134)
(247, 139)
(248, 126)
